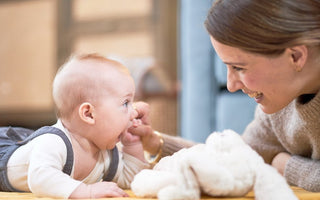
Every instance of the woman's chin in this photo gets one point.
(268, 109)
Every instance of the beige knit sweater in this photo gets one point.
(295, 129)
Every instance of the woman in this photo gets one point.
(272, 52)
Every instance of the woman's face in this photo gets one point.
(271, 81)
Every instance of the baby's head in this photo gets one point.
(85, 78)
(95, 91)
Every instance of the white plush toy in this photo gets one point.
(224, 166)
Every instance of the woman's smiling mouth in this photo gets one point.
(255, 95)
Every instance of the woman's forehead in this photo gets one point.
(230, 54)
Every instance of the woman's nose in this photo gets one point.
(233, 82)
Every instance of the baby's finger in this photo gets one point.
(116, 192)
(119, 192)
(136, 122)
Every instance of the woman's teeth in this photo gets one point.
(255, 94)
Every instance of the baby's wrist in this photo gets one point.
(135, 150)
(131, 144)
(132, 147)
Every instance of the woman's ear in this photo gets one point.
(299, 55)
(86, 113)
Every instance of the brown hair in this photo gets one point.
(265, 26)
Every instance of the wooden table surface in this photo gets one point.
(301, 194)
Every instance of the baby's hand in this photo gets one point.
(97, 190)
(106, 189)
(127, 139)
(132, 144)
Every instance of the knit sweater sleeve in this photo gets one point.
(259, 135)
(173, 144)
(303, 172)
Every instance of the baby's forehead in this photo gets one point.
(101, 66)
(91, 72)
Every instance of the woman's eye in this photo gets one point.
(236, 68)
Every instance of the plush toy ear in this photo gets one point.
(187, 187)
(148, 183)
(166, 184)
(271, 185)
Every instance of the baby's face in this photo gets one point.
(114, 112)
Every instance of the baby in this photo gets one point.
(93, 97)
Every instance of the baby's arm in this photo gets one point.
(45, 176)
(131, 159)
(132, 144)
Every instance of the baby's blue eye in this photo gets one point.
(126, 104)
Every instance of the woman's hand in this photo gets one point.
(279, 161)
(150, 141)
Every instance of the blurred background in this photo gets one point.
(162, 42)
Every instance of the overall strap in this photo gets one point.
(114, 161)
(50, 129)
(4, 183)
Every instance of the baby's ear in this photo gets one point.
(86, 113)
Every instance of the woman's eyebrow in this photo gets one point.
(234, 63)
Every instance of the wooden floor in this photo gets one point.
(301, 194)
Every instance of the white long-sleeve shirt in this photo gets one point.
(37, 167)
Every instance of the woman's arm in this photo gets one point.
(303, 172)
